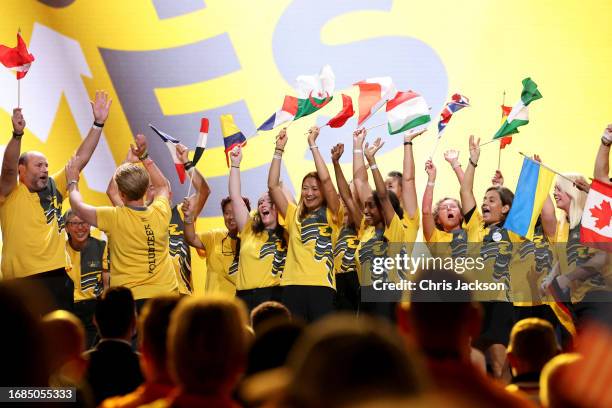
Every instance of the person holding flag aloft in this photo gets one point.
(31, 208)
(262, 243)
(313, 225)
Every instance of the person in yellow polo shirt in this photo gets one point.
(263, 244)
(89, 272)
(138, 234)
(33, 235)
(308, 280)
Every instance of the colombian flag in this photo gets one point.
(232, 136)
(531, 191)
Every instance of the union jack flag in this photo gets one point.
(457, 102)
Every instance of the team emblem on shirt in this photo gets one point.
(274, 246)
(316, 227)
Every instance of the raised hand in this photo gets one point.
(313, 133)
(336, 152)
(498, 179)
(370, 151)
(430, 169)
(182, 153)
(189, 204)
(358, 137)
(72, 169)
(582, 185)
(281, 139)
(452, 157)
(474, 149)
(410, 137)
(140, 149)
(607, 134)
(101, 106)
(18, 121)
(236, 156)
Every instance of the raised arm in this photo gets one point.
(274, 185)
(452, 157)
(409, 198)
(360, 176)
(8, 177)
(84, 211)
(100, 107)
(241, 212)
(548, 215)
(381, 188)
(112, 191)
(468, 202)
(189, 221)
(429, 224)
(354, 212)
(159, 182)
(602, 161)
(199, 182)
(329, 191)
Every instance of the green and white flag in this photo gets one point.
(519, 115)
(314, 91)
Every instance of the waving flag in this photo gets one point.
(286, 113)
(407, 112)
(232, 136)
(171, 143)
(202, 138)
(456, 103)
(373, 93)
(345, 114)
(18, 58)
(596, 228)
(505, 141)
(314, 91)
(519, 115)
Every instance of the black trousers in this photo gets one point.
(596, 306)
(85, 310)
(58, 285)
(379, 304)
(255, 297)
(347, 291)
(308, 302)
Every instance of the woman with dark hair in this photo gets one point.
(381, 233)
(262, 244)
(313, 225)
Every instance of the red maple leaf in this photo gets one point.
(603, 213)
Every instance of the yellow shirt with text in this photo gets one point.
(221, 268)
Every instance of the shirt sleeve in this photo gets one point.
(60, 182)
(162, 205)
(107, 218)
(396, 231)
(412, 225)
(290, 216)
(105, 257)
(474, 225)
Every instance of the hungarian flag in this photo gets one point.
(232, 136)
(505, 141)
(407, 112)
(596, 228)
(345, 114)
(456, 103)
(314, 91)
(18, 58)
(373, 93)
(285, 114)
(202, 138)
(519, 115)
(171, 143)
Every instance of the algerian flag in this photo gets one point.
(519, 115)
(407, 112)
(314, 91)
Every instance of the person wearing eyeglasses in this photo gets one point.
(89, 258)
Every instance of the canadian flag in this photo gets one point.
(596, 228)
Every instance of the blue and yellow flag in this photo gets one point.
(232, 136)
(531, 192)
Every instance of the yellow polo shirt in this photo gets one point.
(221, 270)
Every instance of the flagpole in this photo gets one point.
(374, 127)
(373, 113)
(19, 93)
(435, 147)
(190, 180)
(500, 142)
(546, 167)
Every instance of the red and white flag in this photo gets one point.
(373, 93)
(596, 228)
(345, 114)
(171, 143)
(202, 138)
(18, 58)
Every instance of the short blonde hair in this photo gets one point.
(577, 197)
(207, 343)
(132, 180)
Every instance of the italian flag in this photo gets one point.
(407, 112)
(519, 115)
(314, 91)
(373, 93)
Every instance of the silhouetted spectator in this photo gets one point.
(267, 311)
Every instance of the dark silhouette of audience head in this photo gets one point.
(272, 345)
(65, 343)
(551, 391)
(268, 311)
(341, 360)
(115, 314)
(153, 334)
(532, 345)
(207, 345)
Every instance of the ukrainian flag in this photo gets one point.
(232, 136)
(532, 190)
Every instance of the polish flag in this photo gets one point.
(18, 59)
(596, 228)
(373, 93)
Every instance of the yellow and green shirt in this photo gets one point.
(221, 261)
(87, 267)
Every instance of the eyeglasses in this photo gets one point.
(77, 224)
(223, 251)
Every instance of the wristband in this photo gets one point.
(278, 149)
(19, 135)
(97, 125)
(313, 147)
(188, 220)
(472, 163)
(144, 156)
(604, 141)
(236, 167)
(357, 151)
(188, 165)
(76, 182)
(457, 165)
(277, 157)
(408, 143)
(373, 166)
(431, 183)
